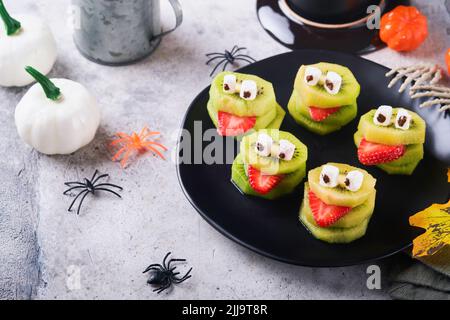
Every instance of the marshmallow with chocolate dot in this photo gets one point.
(383, 115)
(403, 119)
(263, 145)
(329, 176)
(332, 83)
(353, 180)
(229, 83)
(248, 90)
(286, 150)
(312, 75)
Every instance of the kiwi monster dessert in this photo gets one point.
(392, 139)
(338, 202)
(324, 97)
(271, 164)
(241, 102)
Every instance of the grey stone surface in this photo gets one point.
(47, 253)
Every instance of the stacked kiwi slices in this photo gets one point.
(324, 97)
(271, 163)
(338, 202)
(234, 111)
(395, 144)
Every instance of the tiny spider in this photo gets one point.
(89, 186)
(135, 143)
(228, 57)
(163, 275)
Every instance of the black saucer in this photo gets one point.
(297, 35)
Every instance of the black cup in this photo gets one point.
(332, 11)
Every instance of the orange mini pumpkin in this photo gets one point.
(404, 28)
(447, 61)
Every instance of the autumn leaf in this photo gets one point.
(436, 220)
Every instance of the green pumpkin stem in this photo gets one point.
(51, 91)
(11, 24)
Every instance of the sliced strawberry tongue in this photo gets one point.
(262, 183)
(320, 114)
(325, 214)
(371, 153)
(231, 125)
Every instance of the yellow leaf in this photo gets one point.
(436, 220)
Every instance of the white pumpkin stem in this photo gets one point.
(51, 91)
(12, 25)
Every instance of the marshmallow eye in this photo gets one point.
(229, 83)
(286, 150)
(353, 180)
(403, 120)
(248, 90)
(312, 76)
(332, 82)
(383, 116)
(263, 145)
(329, 176)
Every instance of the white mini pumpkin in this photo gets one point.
(27, 41)
(57, 116)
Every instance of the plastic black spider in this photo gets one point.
(89, 186)
(228, 57)
(163, 275)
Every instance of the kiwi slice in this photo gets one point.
(405, 169)
(276, 123)
(390, 135)
(352, 219)
(332, 235)
(261, 122)
(286, 186)
(413, 153)
(317, 96)
(212, 113)
(340, 196)
(234, 104)
(273, 165)
(339, 118)
(306, 122)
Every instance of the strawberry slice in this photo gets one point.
(231, 125)
(325, 214)
(370, 153)
(262, 183)
(320, 114)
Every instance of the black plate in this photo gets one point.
(271, 228)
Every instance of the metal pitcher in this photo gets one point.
(118, 32)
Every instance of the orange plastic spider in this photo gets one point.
(135, 143)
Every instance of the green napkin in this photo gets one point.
(421, 279)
